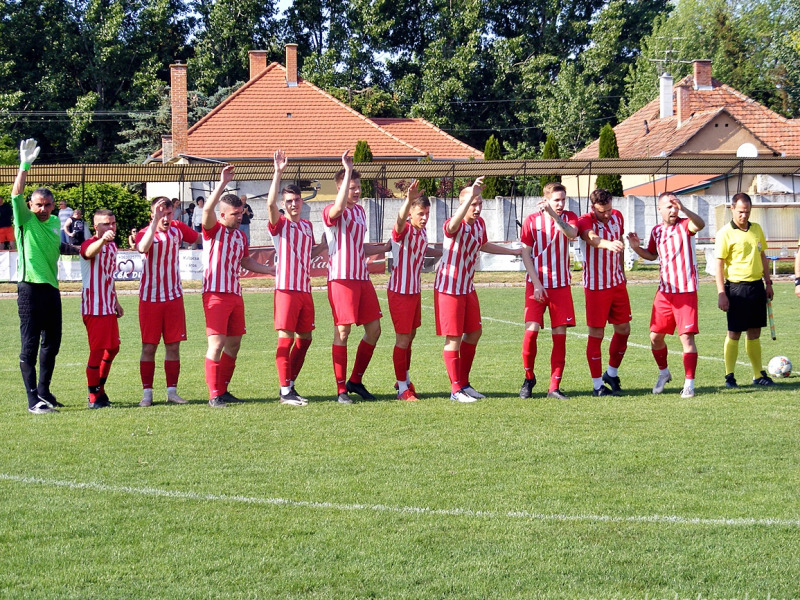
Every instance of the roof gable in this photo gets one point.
(423, 134)
(645, 134)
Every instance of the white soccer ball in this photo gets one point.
(779, 366)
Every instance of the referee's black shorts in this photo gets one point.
(747, 305)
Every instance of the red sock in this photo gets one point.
(172, 369)
(147, 369)
(529, 352)
(339, 367)
(408, 359)
(93, 373)
(452, 361)
(227, 364)
(399, 357)
(616, 350)
(689, 364)
(363, 356)
(282, 355)
(558, 358)
(467, 356)
(298, 356)
(594, 356)
(105, 364)
(661, 357)
(212, 377)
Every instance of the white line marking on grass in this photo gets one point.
(584, 336)
(411, 510)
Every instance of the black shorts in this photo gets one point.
(748, 305)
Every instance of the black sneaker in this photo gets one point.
(602, 391)
(50, 399)
(229, 398)
(293, 399)
(102, 401)
(764, 380)
(730, 381)
(217, 402)
(558, 395)
(41, 408)
(527, 388)
(343, 398)
(358, 388)
(613, 383)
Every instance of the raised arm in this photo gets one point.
(280, 163)
(474, 191)
(568, 230)
(146, 242)
(696, 223)
(96, 246)
(340, 204)
(412, 193)
(28, 152)
(209, 216)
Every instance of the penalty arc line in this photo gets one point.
(407, 510)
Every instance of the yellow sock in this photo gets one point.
(753, 348)
(731, 353)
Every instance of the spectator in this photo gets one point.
(64, 213)
(75, 228)
(247, 214)
(6, 225)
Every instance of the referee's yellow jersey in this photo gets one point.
(741, 250)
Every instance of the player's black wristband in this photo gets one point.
(796, 281)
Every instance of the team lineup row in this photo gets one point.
(545, 238)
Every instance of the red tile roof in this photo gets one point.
(265, 114)
(672, 183)
(423, 134)
(780, 134)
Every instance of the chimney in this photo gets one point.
(258, 62)
(665, 95)
(291, 65)
(702, 74)
(180, 119)
(166, 148)
(684, 104)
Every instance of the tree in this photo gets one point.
(492, 186)
(550, 151)
(609, 149)
(363, 154)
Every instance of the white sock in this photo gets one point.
(402, 386)
(172, 390)
(612, 371)
(285, 389)
(689, 384)
(663, 371)
(147, 393)
(597, 382)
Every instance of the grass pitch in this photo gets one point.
(639, 497)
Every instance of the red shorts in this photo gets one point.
(674, 310)
(608, 306)
(293, 311)
(224, 314)
(406, 311)
(353, 302)
(103, 331)
(456, 315)
(162, 318)
(6, 234)
(558, 301)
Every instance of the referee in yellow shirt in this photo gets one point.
(741, 266)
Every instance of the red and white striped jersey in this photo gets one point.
(345, 236)
(602, 269)
(677, 261)
(223, 251)
(293, 243)
(98, 296)
(408, 254)
(549, 247)
(161, 277)
(460, 257)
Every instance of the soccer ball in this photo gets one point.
(779, 366)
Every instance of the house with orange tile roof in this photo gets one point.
(700, 116)
(277, 109)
